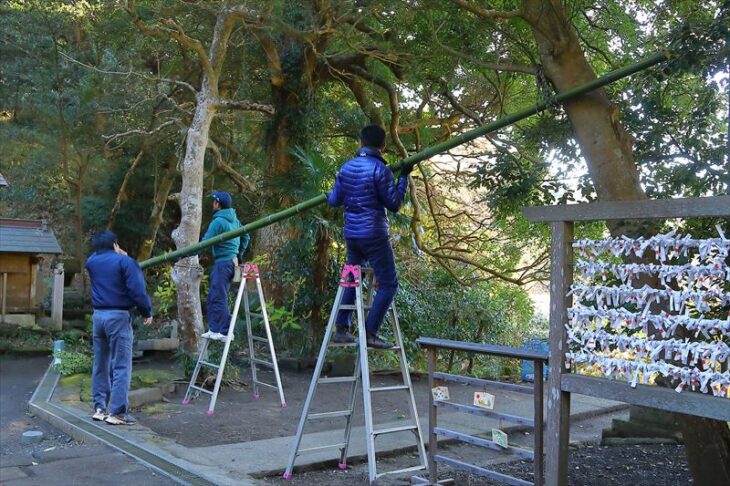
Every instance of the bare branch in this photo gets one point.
(514, 68)
(110, 138)
(244, 185)
(173, 32)
(225, 104)
(487, 14)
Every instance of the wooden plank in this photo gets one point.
(645, 209)
(460, 407)
(538, 417)
(480, 471)
(558, 402)
(502, 351)
(486, 443)
(661, 398)
(433, 473)
(468, 380)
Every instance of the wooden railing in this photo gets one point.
(539, 359)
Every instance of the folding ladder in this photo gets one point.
(352, 277)
(250, 273)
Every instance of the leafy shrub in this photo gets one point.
(73, 362)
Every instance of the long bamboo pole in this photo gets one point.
(421, 156)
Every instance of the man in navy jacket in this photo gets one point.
(366, 188)
(117, 286)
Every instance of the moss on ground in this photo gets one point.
(143, 378)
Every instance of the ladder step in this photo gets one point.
(262, 362)
(256, 314)
(266, 384)
(207, 363)
(261, 339)
(333, 344)
(321, 415)
(319, 448)
(388, 388)
(392, 430)
(339, 379)
(404, 470)
(194, 387)
(353, 307)
(394, 348)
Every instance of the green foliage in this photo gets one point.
(73, 362)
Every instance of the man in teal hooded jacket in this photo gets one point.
(226, 255)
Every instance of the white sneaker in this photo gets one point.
(216, 336)
(99, 415)
(208, 334)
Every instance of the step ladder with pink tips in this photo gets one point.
(265, 344)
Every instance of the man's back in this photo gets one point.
(117, 282)
(365, 187)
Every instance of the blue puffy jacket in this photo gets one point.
(366, 188)
(117, 282)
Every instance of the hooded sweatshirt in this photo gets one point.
(225, 220)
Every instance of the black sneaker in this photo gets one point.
(377, 343)
(344, 337)
(121, 419)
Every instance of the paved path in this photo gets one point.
(58, 459)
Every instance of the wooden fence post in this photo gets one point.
(558, 402)
(57, 297)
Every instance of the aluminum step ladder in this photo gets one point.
(353, 276)
(249, 273)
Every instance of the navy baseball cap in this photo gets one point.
(223, 198)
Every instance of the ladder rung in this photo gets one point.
(342, 345)
(394, 348)
(266, 384)
(353, 307)
(388, 388)
(262, 362)
(207, 363)
(259, 338)
(201, 389)
(339, 379)
(256, 314)
(394, 429)
(319, 448)
(321, 415)
(400, 471)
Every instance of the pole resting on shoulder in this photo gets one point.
(439, 148)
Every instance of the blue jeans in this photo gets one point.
(219, 317)
(112, 370)
(379, 253)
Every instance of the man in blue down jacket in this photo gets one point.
(225, 254)
(366, 188)
(117, 286)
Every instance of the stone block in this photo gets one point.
(143, 396)
(22, 320)
(162, 344)
(11, 473)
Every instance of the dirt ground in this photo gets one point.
(240, 418)
(645, 465)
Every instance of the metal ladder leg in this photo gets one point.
(249, 333)
(407, 381)
(226, 347)
(313, 385)
(272, 352)
(203, 356)
(348, 425)
(365, 379)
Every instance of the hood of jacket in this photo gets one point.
(227, 214)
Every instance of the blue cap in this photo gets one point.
(223, 198)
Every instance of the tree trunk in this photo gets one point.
(187, 272)
(608, 151)
(158, 209)
(319, 281)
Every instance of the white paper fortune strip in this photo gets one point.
(608, 296)
(697, 276)
(635, 372)
(665, 247)
(667, 325)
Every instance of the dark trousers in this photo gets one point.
(219, 317)
(378, 252)
(112, 371)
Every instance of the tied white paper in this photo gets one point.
(599, 323)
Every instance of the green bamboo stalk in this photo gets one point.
(421, 156)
